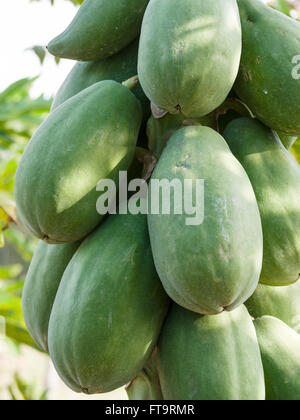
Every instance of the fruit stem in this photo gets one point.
(131, 83)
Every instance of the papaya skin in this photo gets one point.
(90, 137)
(109, 308)
(42, 281)
(214, 266)
(189, 54)
(275, 177)
(280, 302)
(146, 386)
(280, 351)
(119, 68)
(100, 29)
(210, 358)
(265, 81)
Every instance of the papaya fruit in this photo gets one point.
(90, 137)
(268, 79)
(109, 308)
(210, 357)
(146, 386)
(275, 177)
(119, 67)
(280, 302)
(189, 54)
(42, 281)
(100, 29)
(209, 265)
(280, 352)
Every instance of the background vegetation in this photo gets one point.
(20, 115)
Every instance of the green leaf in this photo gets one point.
(39, 51)
(15, 331)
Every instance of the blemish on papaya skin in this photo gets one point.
(183, 165)
(247, 75)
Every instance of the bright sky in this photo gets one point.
(24, 24)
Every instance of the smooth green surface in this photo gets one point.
(210, 357)
(45, 273)
(268, 79)
(119, 67)
(146, 386)
(275, 177)
(90, 137)
(280, 351)
(100, 29)
(189, 54)
(109, 308)
(280, 302)
(215, 265)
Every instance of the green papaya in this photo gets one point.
(208, 264)
(42, 281)
(280, 352)
(275, 177)
(100, 29)
(189, 54)
(119, 67)
(109, 308)
(280, 302)
(210, 357)
(90, 137)
(268, 80)
(146, 386)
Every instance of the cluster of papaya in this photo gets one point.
(177, 310)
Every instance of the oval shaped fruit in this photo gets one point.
(42, 281)
(280, 352)
(189, 54)
(212, 264)
(146, 386)
(210, 357)
(280, 302)
(100, 29)
(109, 308)
(90, 137)
(275, 177)
(119, 68)
(268, 80)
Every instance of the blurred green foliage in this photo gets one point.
(20, 115)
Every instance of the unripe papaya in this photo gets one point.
(146, 386)
(109, 308)
(100, 29)
(210, 357)
(189, 54)
(119, 67)
(268, 79)
(280, 352)
(42, 281)
(214, 264)
(275, 177)
(90, 137)
(280, 302)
